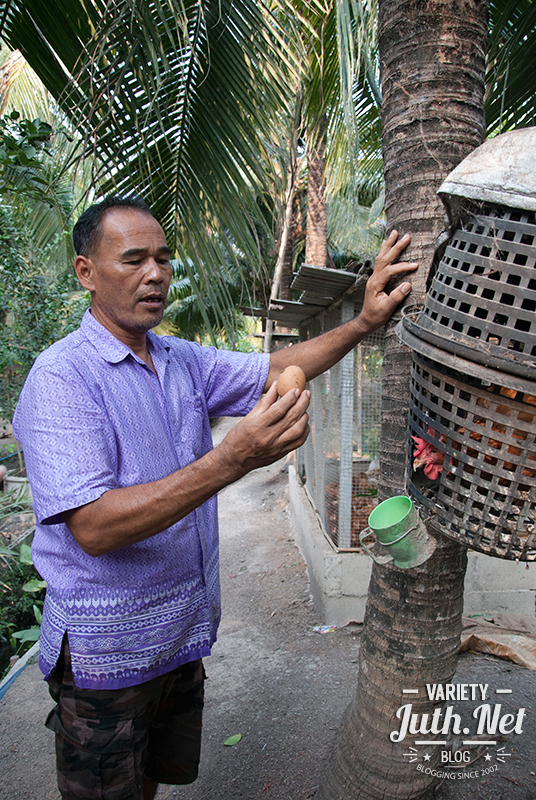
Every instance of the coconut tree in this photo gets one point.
(432, 67)
(326, 114)
(432, 59)
(21, 88)
(180, 101)
(185, 103)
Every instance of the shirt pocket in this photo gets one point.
(192, 434)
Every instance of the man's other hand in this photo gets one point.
(275, 427)
(379, 305)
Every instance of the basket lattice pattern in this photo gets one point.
(483, 294)
(483, 435)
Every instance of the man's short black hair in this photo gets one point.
(88, 230)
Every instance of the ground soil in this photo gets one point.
(271, 678)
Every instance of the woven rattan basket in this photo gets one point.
(482, 299)
(481, 423)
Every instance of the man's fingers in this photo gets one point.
(280, 413)
(392, 242)
(269, 398)
(389, 240)
(295, 435)
(390, 250)
(389, 270)
(287, 422)
(282, 405)
(402, 243)
(399, 293)
(377, 283)
(278, 406)
(293, 418)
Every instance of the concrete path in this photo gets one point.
(272, 679)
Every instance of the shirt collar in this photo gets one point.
(109, 347)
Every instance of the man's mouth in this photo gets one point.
(152, 301)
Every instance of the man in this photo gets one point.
(114, 422)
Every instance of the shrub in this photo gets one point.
(22, 593)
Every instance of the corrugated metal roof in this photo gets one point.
(320, 288)
(286, 312)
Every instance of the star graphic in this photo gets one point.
(487, 757)
(426, 757)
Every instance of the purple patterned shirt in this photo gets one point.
(93, 417)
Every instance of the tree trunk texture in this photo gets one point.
(285, 292)
(411, 637)
(432, 67)
(316, 245)
(286, 236)
(432, 62)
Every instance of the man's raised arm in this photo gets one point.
(121, 517)
(319, 354)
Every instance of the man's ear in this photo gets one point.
(84, 268)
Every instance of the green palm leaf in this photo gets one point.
(511, 65)
(186, 102)
(178, 100)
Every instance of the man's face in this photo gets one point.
(128, 274)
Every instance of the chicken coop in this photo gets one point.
(338, 465)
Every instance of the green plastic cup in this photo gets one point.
(392, 518)
(401, 534)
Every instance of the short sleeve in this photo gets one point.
(233, 381)
(69, 446)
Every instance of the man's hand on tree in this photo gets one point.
(379, 305)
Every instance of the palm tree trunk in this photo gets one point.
(286, 233)
(411, 637)
(432, 61)
(316, 247)
(286, 226)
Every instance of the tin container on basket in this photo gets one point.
(472, 450)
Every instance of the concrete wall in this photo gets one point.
(496, 586)
(339, 581)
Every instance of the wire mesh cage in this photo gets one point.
(483, 296)
(339, 461)
(472, 451)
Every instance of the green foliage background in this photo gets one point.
(35, 311)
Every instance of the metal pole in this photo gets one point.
(347, 435)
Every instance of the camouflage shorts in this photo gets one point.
(106, 740)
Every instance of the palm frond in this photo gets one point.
(511, 65)
(21, 89)
(351, 226)
(178, 100)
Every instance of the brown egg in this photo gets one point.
(291, 378)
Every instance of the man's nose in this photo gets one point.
(154, 272)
